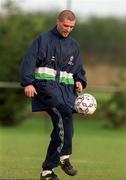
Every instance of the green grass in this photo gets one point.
(98, 154)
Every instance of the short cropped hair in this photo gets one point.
(66, 14)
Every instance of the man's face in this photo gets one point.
(65, 27)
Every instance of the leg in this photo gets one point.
(67, 146)
(68, 129)
(57, 138)
(61, 139)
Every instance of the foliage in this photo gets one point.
(103, 40)
(115, 108)
(12, 106)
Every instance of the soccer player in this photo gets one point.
(52, 74)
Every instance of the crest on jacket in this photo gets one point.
(70, 62)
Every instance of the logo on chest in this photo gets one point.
(70, 62)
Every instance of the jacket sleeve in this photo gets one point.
(80, 74)
(28, 64)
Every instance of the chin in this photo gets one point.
(65, 35)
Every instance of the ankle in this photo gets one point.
(45, 172)
(64, 157)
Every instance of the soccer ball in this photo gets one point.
(85, 104)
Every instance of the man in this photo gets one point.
(52, 74)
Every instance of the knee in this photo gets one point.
(65, 110)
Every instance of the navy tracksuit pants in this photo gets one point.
(61, 136)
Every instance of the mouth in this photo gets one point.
(65, 33)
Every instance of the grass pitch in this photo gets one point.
(98, 154)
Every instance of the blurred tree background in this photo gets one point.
(103, 49)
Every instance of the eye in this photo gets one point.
(66, 26)
(71, 27)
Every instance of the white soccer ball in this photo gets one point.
(85, 104)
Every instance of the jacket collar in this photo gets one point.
(56, 32)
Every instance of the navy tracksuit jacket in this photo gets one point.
(53, 65)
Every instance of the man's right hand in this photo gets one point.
(30, 91)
